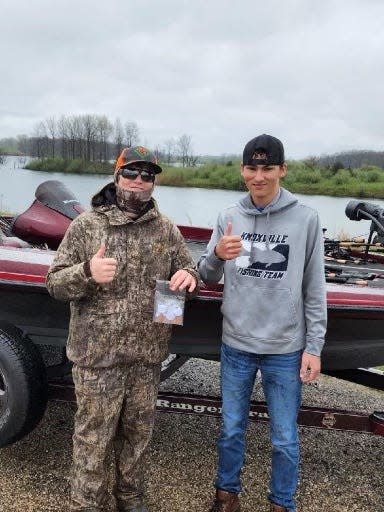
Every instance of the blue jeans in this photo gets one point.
(282, 389)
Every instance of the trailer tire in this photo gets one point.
(23, 385)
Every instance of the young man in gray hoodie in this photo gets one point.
(269, 248)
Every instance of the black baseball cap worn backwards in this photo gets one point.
(263, 150)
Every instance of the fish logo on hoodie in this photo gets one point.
(267, 258)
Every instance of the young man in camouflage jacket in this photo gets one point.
(107, 266)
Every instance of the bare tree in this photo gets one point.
(104, 131)
(131, 133)
(23, 144)
(40, 140)
(158, 153)
(63, 134)
(184, 147)
(76, 137)
(52, 128)
(118, 136)
(169, 150)
(89, 128)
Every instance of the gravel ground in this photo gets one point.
(341, 472)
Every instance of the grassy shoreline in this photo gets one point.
(364, 182)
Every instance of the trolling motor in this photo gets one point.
(356, 210)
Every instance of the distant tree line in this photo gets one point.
(352, 159)
(93, 138)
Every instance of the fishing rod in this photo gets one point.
(334, 267)
(338, 275)
(354, 275)
(346, 243)
(361, 282)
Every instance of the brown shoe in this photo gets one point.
(225, 502)
(277, 508)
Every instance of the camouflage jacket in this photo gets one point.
(111, 324)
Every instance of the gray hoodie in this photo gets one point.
(274, 298)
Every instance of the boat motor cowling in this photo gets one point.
(358, 210)
(48, 218)
(56, 196)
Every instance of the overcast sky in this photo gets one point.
(310, 72)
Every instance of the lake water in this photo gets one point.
(190, 206)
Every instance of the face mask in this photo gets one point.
(133, 202)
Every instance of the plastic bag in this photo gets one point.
(169, 305)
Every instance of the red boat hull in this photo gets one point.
(355, 336)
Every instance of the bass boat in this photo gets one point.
(34, 326)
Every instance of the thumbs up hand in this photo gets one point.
(228, 229)
(229, 246)
(103, 269)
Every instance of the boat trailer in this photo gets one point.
(313, 417)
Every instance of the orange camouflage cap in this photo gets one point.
(136, 154)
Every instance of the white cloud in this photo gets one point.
(222, 72)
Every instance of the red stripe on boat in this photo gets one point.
(26, 278)
(22, 268)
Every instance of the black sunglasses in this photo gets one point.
(132, 174)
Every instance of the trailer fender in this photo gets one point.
(23, 385)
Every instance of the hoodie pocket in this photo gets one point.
(260, 313)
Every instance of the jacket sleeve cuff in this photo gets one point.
(215, 253)
(87, 269)
(214, 261)
(314, 346)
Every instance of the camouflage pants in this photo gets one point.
(115, 410)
